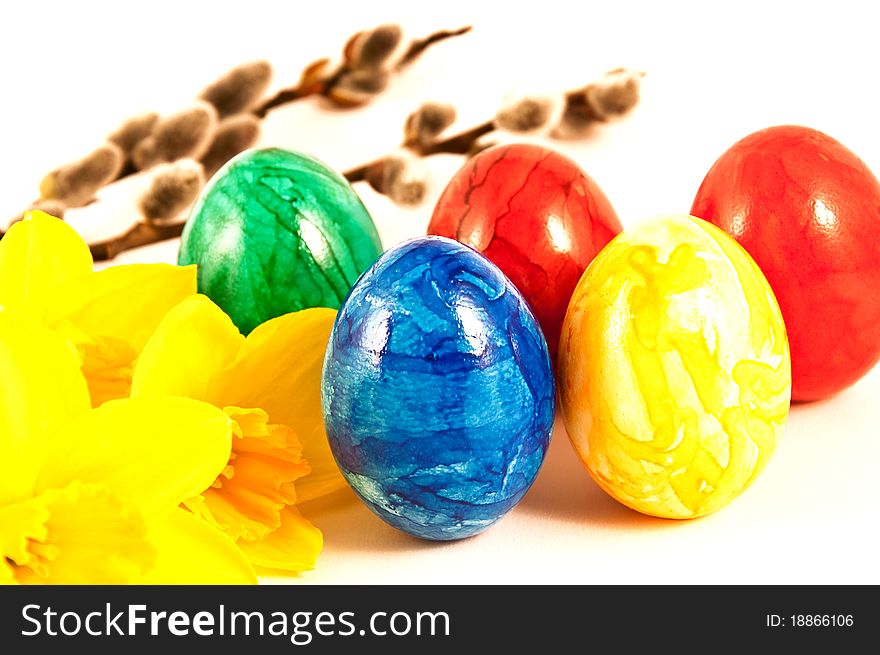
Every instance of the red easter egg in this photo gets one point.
(536, 215)
(808, 211)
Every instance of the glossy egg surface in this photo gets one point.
(808, 211)
(274, 232)
(536, 215)
(674, 368)
(438, 393)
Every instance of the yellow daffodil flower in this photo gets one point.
(93, 495)
(269, 385)
(46, 273)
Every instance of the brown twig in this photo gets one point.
(140, 234)
(458, 144)
(418, 46)
(283, 97)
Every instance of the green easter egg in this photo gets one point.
(276, 231)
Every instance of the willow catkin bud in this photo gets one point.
(76, 183)
(614, 95)
(367, 81)
(358, 87)
(426, 123)
(314, 76)
(234, 135)
(133, 131)
(381, 171)
(371, 49)
(577, 116)
(173, 188)
(524, 114)
(186, 134)
(408, 193)
(239, 89)
(402, 178)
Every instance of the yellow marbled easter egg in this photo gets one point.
(674, 369)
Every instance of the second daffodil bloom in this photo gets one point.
(93, 495)
(269, 385)
(46, 273)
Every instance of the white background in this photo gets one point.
(72, 71)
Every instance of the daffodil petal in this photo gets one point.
(37, 255)
(6, 577)
(124, 302)
(190, 551)
(23, 522)
(192, 343)
(294, 546)
(41, 389)
(279, 370)
(81, 534)
(155, 452)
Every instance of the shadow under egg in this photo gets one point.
(565, 492)
(348, 525)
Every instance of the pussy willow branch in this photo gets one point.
(325, 87)
(305, 89)
(143, 233)
(417, 47)
(611, 97)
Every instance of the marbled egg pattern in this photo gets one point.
(438, 394)
(536, 215)
(277, 231)
(674, 369)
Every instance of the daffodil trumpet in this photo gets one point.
(268, 384)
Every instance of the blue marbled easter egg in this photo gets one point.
(438, 394)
